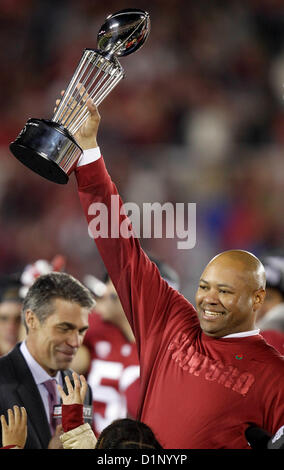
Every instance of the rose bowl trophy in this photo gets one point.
(48, 147)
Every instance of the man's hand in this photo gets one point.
(76, 394)
(15, 432)
(86, 136)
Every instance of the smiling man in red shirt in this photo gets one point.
(206, 374)
(231, 283)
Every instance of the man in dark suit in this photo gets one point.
(55, 313)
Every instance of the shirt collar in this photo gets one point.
(243, 334)
(39, 374)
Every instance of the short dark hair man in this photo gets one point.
(55, 314)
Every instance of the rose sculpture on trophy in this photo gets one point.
(48, 146)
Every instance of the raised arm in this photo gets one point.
(148, 301)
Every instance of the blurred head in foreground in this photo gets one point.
(127, 434)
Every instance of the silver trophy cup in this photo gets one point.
(48, 146)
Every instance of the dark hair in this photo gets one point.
(127, 434)
(55, 285)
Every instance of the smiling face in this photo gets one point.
(54, 342)
(229, 296)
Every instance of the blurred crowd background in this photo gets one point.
(198, 118)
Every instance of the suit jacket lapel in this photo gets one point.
(31, 399)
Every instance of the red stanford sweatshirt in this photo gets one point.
(197, 392)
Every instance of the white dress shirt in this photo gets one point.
(40, 376)
(243, 334)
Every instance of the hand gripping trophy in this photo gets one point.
(48, 147)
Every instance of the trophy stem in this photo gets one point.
(77, 87)
(85, 92)
(105, 90)
(94, 78)
(73, 81)
(97, 98)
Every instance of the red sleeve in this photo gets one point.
(11, 446)
(150, 304)
(72, 416)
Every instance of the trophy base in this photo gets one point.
(48, 149)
